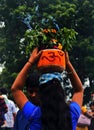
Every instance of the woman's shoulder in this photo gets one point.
(75, 111)
(75, 108)
(31, 110)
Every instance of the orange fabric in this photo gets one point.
(84, 109)
(82, 128)
(52, 57)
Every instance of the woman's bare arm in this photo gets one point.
(17, 87)
(75, 81)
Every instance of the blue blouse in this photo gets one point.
(32, 114)
(75, 113)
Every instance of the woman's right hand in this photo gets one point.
(35, 55)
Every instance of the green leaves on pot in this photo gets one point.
(62, 39)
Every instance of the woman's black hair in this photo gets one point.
(3, 90)
(55, 110)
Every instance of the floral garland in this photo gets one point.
(62, 39)
(51, 33)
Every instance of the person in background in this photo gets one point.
(11, 114)
(91, 127)
(53, 113)
(3, 110)
(92, 108)
(84, 120)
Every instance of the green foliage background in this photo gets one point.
(72, 14)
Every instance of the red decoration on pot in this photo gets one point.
(52, 60)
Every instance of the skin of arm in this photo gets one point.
(75, 81)
(17, 87)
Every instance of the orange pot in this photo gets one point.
(52, 60)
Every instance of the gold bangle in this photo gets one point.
(30, 62)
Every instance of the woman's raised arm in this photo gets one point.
(17, 87)
(75, 81)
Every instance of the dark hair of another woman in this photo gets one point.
(32, 85)
(55, 110)
(32, 80)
